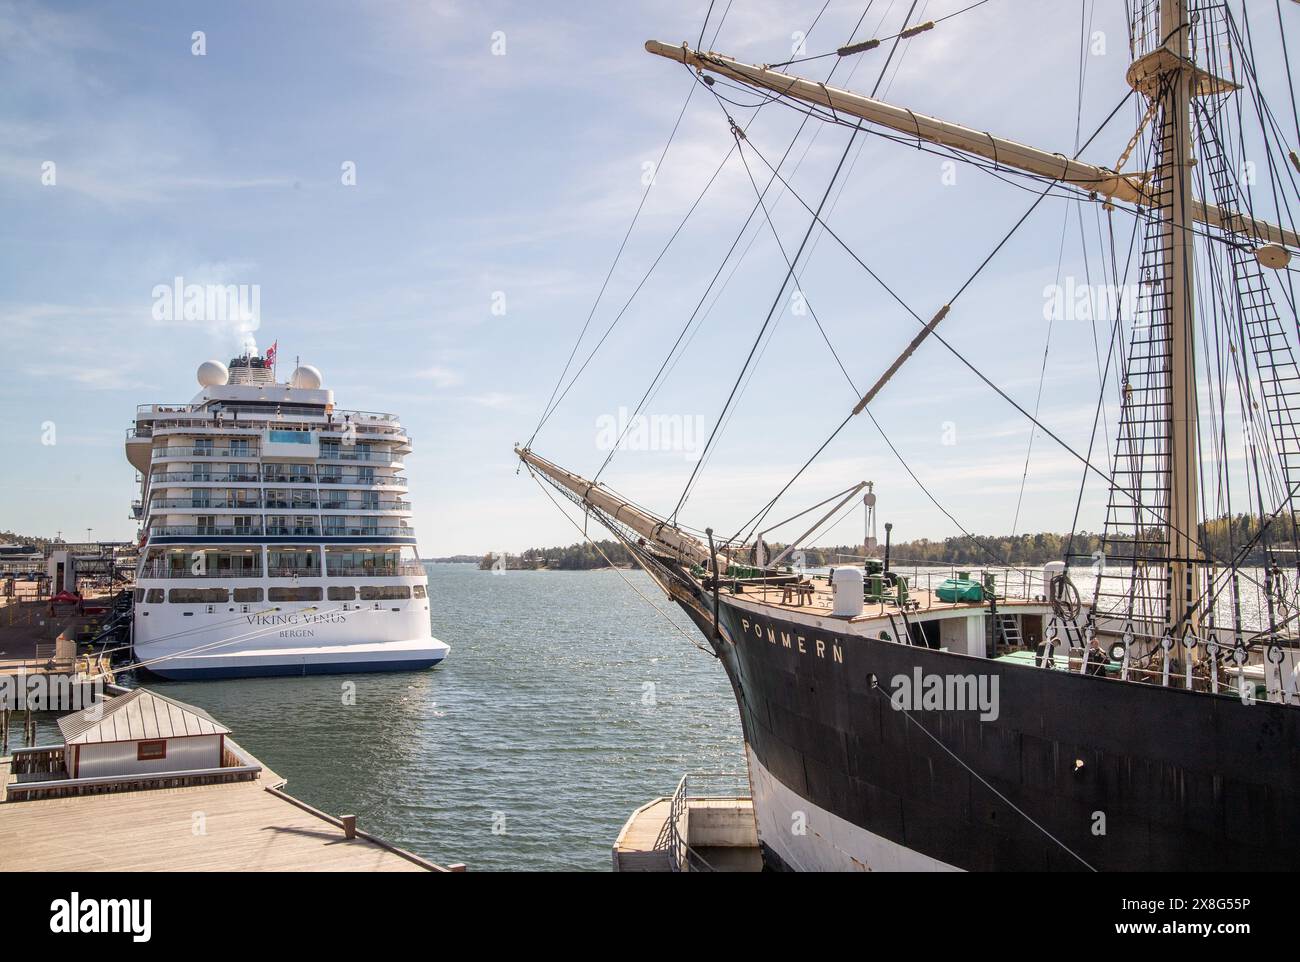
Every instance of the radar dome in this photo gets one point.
(212, 374)
(305, 376)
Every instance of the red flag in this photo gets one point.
(269, 358)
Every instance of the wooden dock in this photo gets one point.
(723, 827)
(249, 826)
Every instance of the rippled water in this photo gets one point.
(566, 702)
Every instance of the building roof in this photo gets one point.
(141, 714)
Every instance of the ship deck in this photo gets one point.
(820, 601)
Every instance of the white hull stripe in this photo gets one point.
(811, 839)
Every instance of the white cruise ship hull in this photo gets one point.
(196, 641)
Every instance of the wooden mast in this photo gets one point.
(1175, 180)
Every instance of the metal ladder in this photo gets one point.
(1009, 629)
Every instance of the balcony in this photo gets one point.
(356, 452)
(163, 571)
(294, 571)
(365, 506)
(382, 481)
(273, 530)
(204, 452)
(189, 477)
(403, 569)
(180, 417)
(366, 531)
(200, 504)
(205, 531)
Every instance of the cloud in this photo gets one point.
(442, 377)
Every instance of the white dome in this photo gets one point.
(212, 374)
(305, 376)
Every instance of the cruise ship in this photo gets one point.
(275, 533)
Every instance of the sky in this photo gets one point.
(428, 197)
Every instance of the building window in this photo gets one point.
(150, 751)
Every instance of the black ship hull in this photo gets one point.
(1074, 773)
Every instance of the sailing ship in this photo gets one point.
(275, 535)
(1137, 713)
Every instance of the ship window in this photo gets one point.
(385, 592)
(139, 595)
(248, 594)
(197, 596)
(294, 594)
(154, 597)
(150, 751)
(419, 591)
(342, 593)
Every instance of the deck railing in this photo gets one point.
(694, 785)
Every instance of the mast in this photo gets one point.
(1175, 180)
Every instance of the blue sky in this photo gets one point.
(480, 175)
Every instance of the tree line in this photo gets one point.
(1223, 538)
(575, 557)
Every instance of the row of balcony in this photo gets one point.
(270, 477)
(279, 530)
(255, 503)
(358, 452)
(378, 570)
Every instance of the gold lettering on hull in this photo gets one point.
(796, 642)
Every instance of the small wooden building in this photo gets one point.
(140, 733)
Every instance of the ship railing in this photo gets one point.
(365, 506)
(187, 530)
(201, 504)
(924, 578)
(253, 426)
(405, 569)
(175, 477)
(202, 452)
(380, 480)
(359, 454)
(672, 837)
(345, 531)
(294, 572)
(162, 571)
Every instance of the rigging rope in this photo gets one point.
(663, 614)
